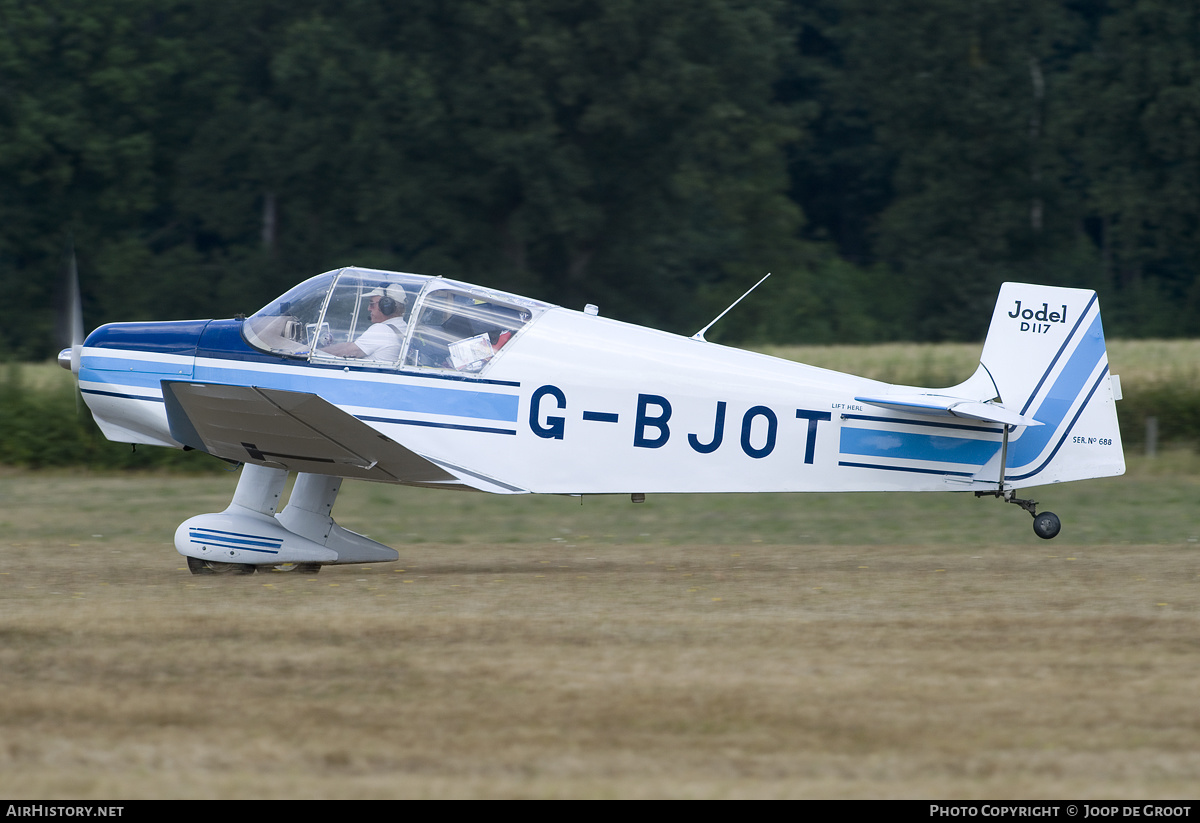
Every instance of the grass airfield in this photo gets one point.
(868, 645)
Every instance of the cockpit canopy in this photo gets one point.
(388, 319)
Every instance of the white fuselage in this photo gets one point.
(578, 404)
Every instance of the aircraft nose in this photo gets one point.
(64, 358)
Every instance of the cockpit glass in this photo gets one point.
(463, 331)
(391, 320)
(283, 325)
(366, 317)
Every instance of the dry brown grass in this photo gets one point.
(542, 668)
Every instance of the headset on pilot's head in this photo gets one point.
(392, 298)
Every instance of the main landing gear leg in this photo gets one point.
(258, 490)
(249, 534)
(309, 513)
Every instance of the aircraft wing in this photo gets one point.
(942, 405)
(300, 432)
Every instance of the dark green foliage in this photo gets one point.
(44, 427)
(1139, 149)
(891, 163)
(1177, 409)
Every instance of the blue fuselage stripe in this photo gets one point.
(911, 446)
(938, 424)
(375, 394)
(909, 469)
(1052, 410)
(429, 424)
(365, 393)
(121, 395)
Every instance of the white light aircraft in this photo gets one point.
(425, 381)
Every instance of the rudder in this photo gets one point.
(1046, 355)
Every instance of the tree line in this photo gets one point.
(890, 163)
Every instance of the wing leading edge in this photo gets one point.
(301, 432)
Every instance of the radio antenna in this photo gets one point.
(700, 334)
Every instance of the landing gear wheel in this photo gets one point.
(1046, 525)
(198, 566)
(296, 568)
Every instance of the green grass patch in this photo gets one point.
(1154, 503)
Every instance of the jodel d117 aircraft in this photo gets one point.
(424, 381)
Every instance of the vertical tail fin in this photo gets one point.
(1046, 356)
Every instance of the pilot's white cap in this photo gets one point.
(393, 291)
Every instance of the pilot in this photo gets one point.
(382, 340)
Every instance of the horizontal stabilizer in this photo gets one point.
(940, 405)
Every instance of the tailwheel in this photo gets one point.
(296, 568)
(1046, 525)
(198, 566)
